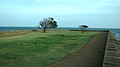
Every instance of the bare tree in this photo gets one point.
(48, 23)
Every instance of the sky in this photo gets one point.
(68, 13)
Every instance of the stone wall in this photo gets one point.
(112, 52)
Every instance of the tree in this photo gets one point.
(48, 23)
(54, 24)
(83, 27)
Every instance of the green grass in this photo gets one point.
(38, 49)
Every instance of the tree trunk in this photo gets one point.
(82, 30)
(44, 29)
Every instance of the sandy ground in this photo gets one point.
(90, 55)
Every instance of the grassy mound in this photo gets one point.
(38, 49)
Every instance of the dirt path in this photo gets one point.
(91, 55)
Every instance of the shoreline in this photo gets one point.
(115, 30)
(116, 33)
(20, 32)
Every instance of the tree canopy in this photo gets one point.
(83, 27)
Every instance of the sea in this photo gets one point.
(116, 31)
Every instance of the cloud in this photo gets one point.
(68, 11)
(52, 6)
(60, 7)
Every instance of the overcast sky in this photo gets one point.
(68, 13)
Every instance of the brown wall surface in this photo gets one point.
(112, 52)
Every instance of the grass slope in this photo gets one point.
(38, 49)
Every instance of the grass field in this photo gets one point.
(38, 49)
